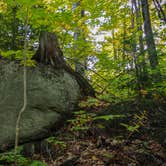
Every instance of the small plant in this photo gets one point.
(9, 158)
(37, 163)
(109, 155)
(82, 121)
(18, 55)
(139, 120)
(55, 141)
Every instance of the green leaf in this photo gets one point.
(37, 163)
(130, 128)
(108, 117)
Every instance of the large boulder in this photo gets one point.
(52, 94)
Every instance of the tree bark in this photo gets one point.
(79, 68)
(49, 53)
(141, 65)
(134, 43)
(160, 10)
(14, 12)
(151, 47)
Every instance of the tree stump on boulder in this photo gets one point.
(53, 92)
(49, 53)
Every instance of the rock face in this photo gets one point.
(52, 95)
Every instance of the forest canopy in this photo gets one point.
(122, 41)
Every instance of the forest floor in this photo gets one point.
(92, 146)
(83, 142)
(103, 151)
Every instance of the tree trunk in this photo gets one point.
(49, 53)
(134, 43)
(113, 44)
(141, 64)
(14, 12)
(160, 10)
(80, 64)
(151, 47)
(124, 39)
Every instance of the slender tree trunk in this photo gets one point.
(160, 11)
(151, 47)
(78, 67)
(143, 74)
(124, 38)
(14, 28)
(113, 44)
(134, 55)
(139, 24)
(17, 132)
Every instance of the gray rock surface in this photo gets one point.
(52, 95)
